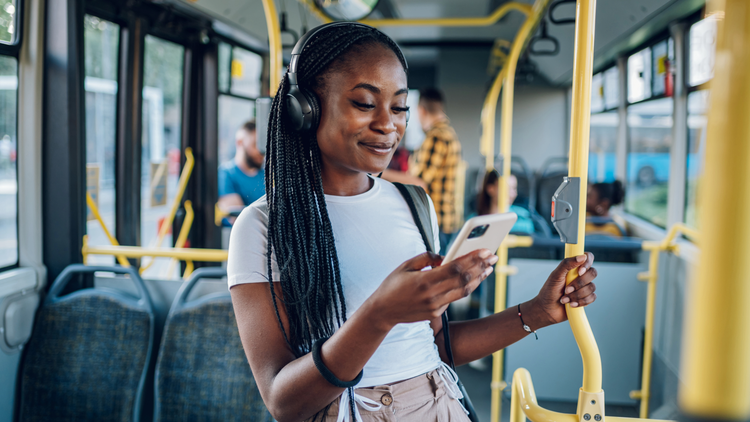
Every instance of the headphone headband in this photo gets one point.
(302, 43)
(303, 107)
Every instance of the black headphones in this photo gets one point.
(302, 105)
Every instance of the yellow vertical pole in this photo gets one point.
(578, 167)
(489, 109)
(274, 41)
(506, 131)
(716, 350)
(648, 336)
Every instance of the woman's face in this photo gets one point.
(363, 112)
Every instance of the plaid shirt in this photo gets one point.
(436, 163)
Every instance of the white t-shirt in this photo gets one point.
(374, 233)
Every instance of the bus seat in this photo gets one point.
(548, 179)
(201, 371)
(524, 178)
(89, 352)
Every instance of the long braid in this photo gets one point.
(300, 235)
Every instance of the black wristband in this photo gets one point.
(327, 374)
(525, 327)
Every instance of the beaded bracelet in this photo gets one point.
(325, 372)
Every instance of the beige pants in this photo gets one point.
(420, 399)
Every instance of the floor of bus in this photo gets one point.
(477, 384)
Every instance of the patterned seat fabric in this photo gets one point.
(85, 361)
(202, 373)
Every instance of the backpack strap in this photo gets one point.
(419, 205)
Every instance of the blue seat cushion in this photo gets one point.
(202, 372)
(85, 360)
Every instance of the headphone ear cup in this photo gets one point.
(296, 106)
(313, 119)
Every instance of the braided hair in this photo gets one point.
(300, 236)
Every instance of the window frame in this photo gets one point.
(13, 50)
(14, 47)
(662, 36)
(234, 45)
(17, 264)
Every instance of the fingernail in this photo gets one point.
(488, 271)
(580, 258)
(569, 290)
(581, 271)
(564, 300)
(485, 253)
(494, 260)
(574, 305)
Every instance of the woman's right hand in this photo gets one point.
(410, 294)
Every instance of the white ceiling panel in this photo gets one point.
(615, 20)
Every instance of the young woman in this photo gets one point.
(331, 261)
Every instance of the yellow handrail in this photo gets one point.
(274, 41)
(183, 254)
(508, 73)
(524, 405)
(182, 238)
(578, 167)
(95, 210)
(652, 276)
(715, 358)
(591, 395)
(187, 170)
(478, 21)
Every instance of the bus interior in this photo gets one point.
(117, 114)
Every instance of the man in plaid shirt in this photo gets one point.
(437, 160)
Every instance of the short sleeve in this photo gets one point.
(248, 246)
(225, 182)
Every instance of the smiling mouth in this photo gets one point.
(378, 148)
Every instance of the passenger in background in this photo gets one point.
(242, 180)
(487, 202)
(437, 160)
(600, 198)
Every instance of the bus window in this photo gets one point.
(7, 21)
(101, 41)
(639, 76)
(602, 147)
(697, 119)
(233, 113)
(246, 69)
(649, 143)
(8, 160)
(239, 86)
(702, 51)
(161, 134)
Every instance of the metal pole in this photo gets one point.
(716, 350)
(274, 45)
(578, 167)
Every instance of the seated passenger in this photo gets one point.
(487, 202)
(336, 316)
(242, 181)
(600, 198)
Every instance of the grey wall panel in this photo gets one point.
(616, 318)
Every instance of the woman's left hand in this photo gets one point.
(551, 300)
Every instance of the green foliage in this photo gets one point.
(8, 66)
(101, 46)
(164, 69)
(649, 203)
(7, 20)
